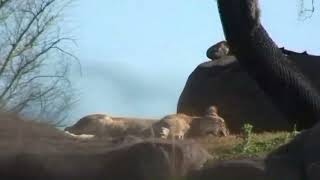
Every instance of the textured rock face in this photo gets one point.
(232, 170)
(218, 50)
(224, 83)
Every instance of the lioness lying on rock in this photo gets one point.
(102, 125)
(180, 125)
(171, 126)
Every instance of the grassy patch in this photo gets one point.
(245, 145)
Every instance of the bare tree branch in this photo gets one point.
(16, 43)
(3, 3)
(306, 13)
(34, 63)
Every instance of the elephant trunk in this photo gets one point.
(275, 74)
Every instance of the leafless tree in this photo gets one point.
(34, 59)
(306, 8)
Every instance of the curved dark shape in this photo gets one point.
(224, 83)
(218, 50)
(288, 88)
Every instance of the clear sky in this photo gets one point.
(136, 55)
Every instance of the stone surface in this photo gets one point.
(232, 170)
(218, 50)
(225, 84)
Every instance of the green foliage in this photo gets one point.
(294, 132)
(248, 144)
(247, 132)
(254, 145)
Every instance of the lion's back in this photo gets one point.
(178, 124)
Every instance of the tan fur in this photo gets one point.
(180, 125)
(213, 123)
(174, 126)
(177, 125)
(102, 125)
(81, 136)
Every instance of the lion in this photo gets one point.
(102, 125)
(179, 126)
(171, 126)
(210, 124)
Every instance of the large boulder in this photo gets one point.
(309, 148)
(223, 83)
(232, 170)
(154, 159)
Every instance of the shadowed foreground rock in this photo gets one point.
(30, 150)
(232, 170)
(299, 159)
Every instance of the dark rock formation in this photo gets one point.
(227, 85)
(223, 83)
(285, 83)
(218, 50)
(232, 170)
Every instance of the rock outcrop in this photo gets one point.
(224, 83)
(218, 50)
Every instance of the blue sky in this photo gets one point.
(137, 54)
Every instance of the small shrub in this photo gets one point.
(294, 132)
(247, 132)
(255, 145)
(246, 145)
